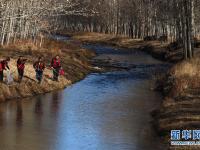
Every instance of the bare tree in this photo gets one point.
(176, 19)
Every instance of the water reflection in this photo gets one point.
(38, 107)
(19, 114)
(55, 103)
(1, 116)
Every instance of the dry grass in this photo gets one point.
(180, 109)
(155, 48)
(189, 68)
(75, 62)
(116, 40)
(109, 39)
(186, 76)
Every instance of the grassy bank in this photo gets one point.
(75, 61)
(158, 50)
(180, 107)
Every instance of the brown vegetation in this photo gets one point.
(156, 48)
(180, 108)
(161, 50)
(75, 62)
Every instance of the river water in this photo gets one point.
(107, 111)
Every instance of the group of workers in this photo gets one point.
(39, 67)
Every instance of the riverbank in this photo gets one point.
(75, 61)
(180, 107)
(157, 49)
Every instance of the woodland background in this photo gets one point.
(173, 20)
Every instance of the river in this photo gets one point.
(105, 111)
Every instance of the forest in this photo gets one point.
(173, 20)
